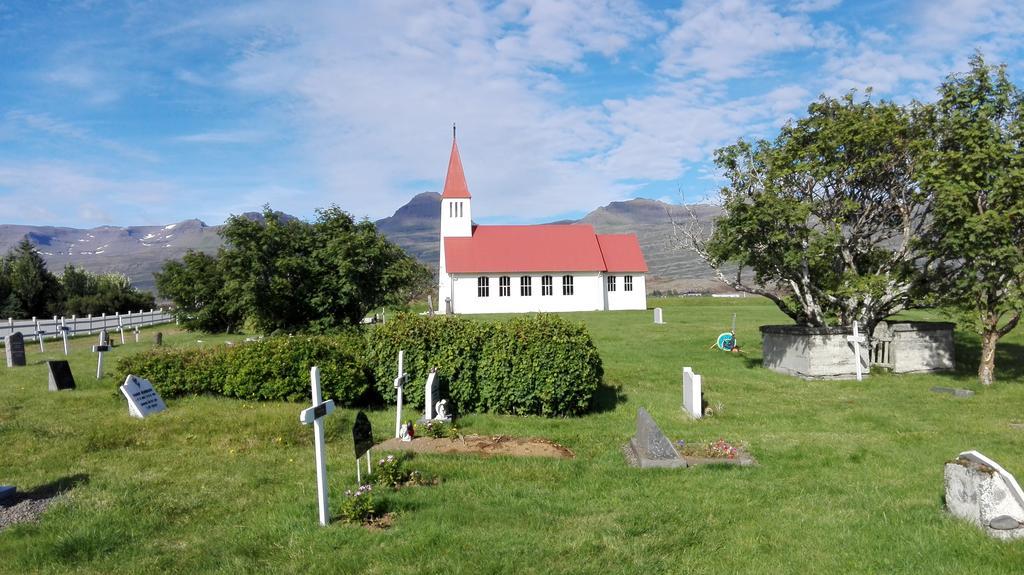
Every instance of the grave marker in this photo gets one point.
(64, 335)
(657, 316)
(100, 350)
(315, 415)
(159, 338)
(137, 334)
(121, 329)
(60, 375)
(980, 490)
(856, 339)
(650, 447)
(14, 345)
(39, 337)
(143, 400)
(430, 391)
(362, 441)
(399, 385)
(692, 393)
(7, 492)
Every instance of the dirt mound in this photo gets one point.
(482, 445)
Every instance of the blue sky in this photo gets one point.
(151, 112)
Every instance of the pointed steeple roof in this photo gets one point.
(455, 183)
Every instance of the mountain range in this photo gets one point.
(139, 251)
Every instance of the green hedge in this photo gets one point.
(275, 368)
(541, 364)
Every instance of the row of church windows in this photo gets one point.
(483, 285)
(454, 209)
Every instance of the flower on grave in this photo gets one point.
(681, 443)
(722, 448)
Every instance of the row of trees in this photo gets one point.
(28, 289)
(863, 209)
(281, 274)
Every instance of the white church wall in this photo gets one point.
(588, 294)
(621, 299)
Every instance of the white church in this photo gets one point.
(518, 269)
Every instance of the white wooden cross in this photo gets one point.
(856, 339)
(399, 384)
(99, 349)
(315, 415)
(64, 334)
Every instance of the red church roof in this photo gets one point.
(455, 182)
(542, 248)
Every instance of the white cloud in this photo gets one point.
(224, 137)
(47, 124)
(813, 5)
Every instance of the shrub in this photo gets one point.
(275, 368)
(359, 506)
(390, 472)
(527, 365)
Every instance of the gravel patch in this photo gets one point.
(24, 511)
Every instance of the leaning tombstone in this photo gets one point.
(649, 447)
(362, 441)
(60, 375)
(982, 492)
(15, 348)
(693, 394)
(657, 316)
(143, 400)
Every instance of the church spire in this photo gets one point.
(455, 183)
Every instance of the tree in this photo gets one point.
(32, 290)
(824, 216)
(977, 173)
(195, 285)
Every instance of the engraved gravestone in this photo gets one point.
(362, 434)
(15, 348)
(142, 399)
(60, 375)
(650, 447)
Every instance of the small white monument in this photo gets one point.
(982, 492)
(399, 385)
(657, 316)
(429, 395)
(857, 339)
(315, 415)
(692, 393)
(143, 400)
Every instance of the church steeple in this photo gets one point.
(455, 186)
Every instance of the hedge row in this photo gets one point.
(539, 364)
(275, 368)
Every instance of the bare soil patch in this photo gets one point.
(482, 445)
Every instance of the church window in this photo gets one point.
(525, 288)
(566, 285)
(627, 283)
(483, 286)
(545, 286)
(611, 283)
(504, 286)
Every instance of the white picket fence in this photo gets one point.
(51, 327)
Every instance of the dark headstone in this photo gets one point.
(159, 338)
(953, 391)
(60, 375)
(1004, 522)
(362, 434)
(650, 446)
(15, 348)
(7, 492)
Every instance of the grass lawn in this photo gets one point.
(849, 481)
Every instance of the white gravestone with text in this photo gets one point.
(692, 402)
(657, 315)
(143, 400)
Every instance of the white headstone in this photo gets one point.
(428, 395)
(981, 491)
(657, 315)
(692, 393)
(142, 399)
(399, 385)
(315, 415)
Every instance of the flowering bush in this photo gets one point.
(390, 473)
(438, 429)
(359, 506)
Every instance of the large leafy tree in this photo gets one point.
(822, 219)
(87, 293)
(977, 173)
(277, 273)
(32, 291)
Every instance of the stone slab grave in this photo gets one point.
(7, 492)
(657, 316)
(649, 447)
(693, 394)
(982, 492)
(14, 346)
(143, 400)
(956, 392)
(60, 375)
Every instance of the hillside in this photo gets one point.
(139, 251)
